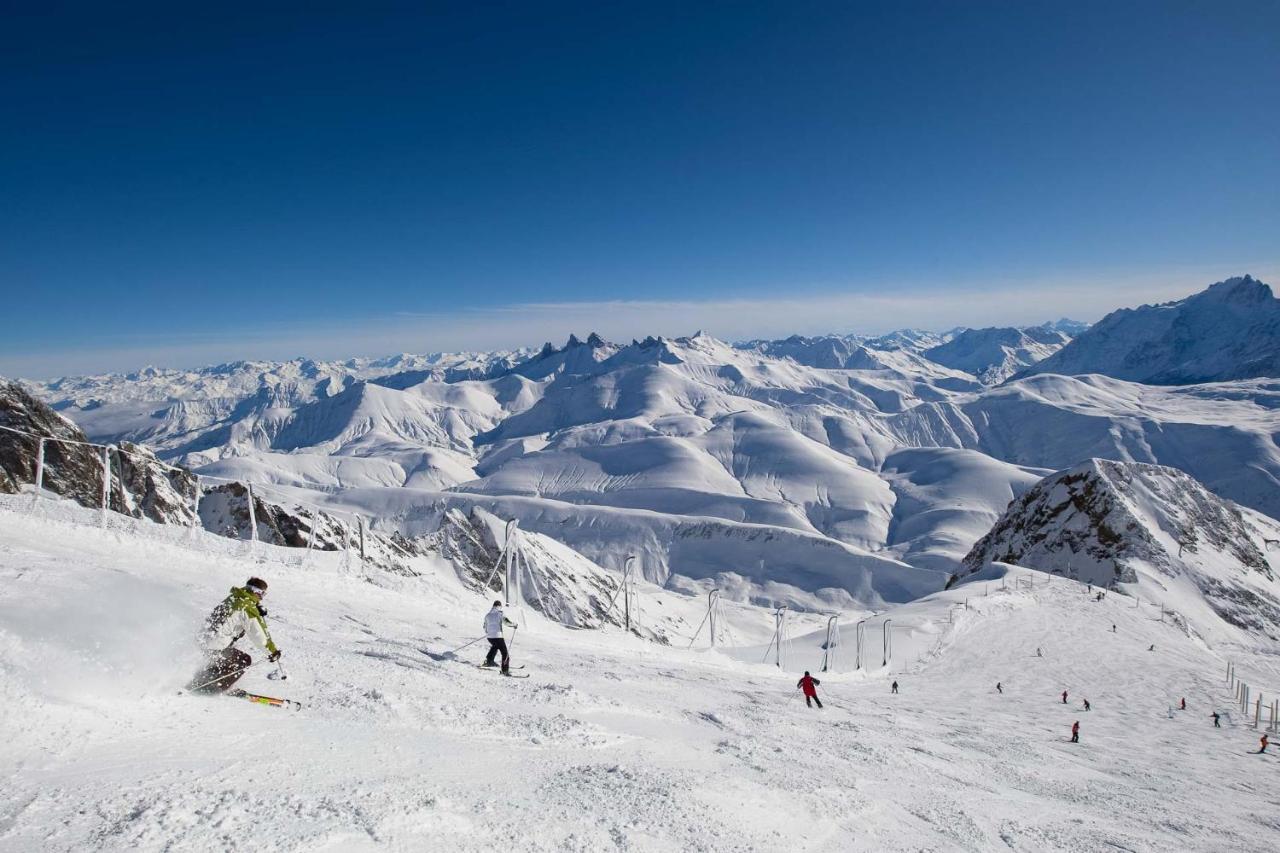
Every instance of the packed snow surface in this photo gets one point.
(612, 743)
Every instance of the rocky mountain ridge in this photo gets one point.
(1125, 524)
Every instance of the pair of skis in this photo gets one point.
(508, 674)
(236, 693)
(274, 702)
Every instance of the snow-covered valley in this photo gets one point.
(612, 742)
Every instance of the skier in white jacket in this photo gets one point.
(493, 622)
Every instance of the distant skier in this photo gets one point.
(1039, 653)
(1075, 732)
(1153, 648)
(1064, 697)
(239, 615)
(999, 688)
(493, 622)
(809, 686)
(1087, 706)
(1113, 627)
(1183, 706)
(1263, 748)
(894, 688)
(1216, 723)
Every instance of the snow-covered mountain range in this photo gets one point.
(993, 355)
(1230, 331)
(817, 471)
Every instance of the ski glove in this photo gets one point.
(274, 656)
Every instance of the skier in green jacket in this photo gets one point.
(239, 615)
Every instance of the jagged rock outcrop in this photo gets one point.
(464, 542)
(224, 509)
(555, 580)
(145, 487)
(71, 470)
(141, 485)
(1110, 522)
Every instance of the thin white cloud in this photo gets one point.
(868, 310)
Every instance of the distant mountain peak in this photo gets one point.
(995, 354)
(1241, 289)
(1230, 330)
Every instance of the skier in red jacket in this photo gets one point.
(1075, 732)
(809, 685)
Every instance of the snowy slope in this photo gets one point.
(1230, 331)
(613, 743)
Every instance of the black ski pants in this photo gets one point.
(229, 663)
(1075, 737)
(814, 698)
(496, 645)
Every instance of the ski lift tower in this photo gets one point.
(832, 645)
(779, 636)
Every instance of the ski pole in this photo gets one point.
(464, 645)
(514, 628)
(279, 674)
(223, 676)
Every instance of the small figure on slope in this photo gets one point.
(809, 686)
(1113, 627)
(1039, 652)
(999, 688)
(1263, 748)
(894, 688)
(1087, 706)
(239, 615)
(1183, 705)
(1075, 732)
(1216, 723)
(1064, 697)
(493, 622)
(1153, 648)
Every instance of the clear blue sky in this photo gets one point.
(247, 179)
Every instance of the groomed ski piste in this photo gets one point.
(613, 743)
